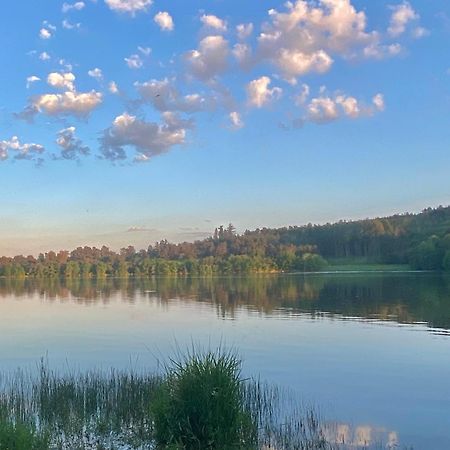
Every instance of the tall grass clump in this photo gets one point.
(200, 405)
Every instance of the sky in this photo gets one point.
(129, 121)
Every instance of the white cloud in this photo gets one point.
(296, 63)
(325, 108)
(164, 96)
(129, 6)
(68, 103)
(244, 30)
(145, 50)
(214, 22)
(305, 37)
(402, 14)
(67, 66)
(235, 120)
(349, 105)
(259, 94)
(32, 79)
(96, 73)
(378, 101)
(70, 26)
(147, 138)
(210, 59)
(78, 6)
(61, 80)
(322, 110)
(381, 51)
(243, 54)
(134, 61)
(113, 88)
(70, 146)
(44, 56)
(20, 150)
(164, 21)
(44, 33)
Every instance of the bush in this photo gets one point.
(21, 437)
(200, 405)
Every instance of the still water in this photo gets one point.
(371, 351)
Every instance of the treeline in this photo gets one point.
(91, 262)
(421, 240)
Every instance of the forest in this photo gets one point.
(420, 240)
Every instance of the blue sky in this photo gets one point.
(127, 121)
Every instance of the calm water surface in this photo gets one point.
(371, 350)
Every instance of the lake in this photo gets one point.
(370, 350)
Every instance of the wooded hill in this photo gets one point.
(421, 240)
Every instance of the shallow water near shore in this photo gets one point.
(372, 351)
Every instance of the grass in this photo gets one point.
(201, 402)
(201, 405)
(21, 437)
(362, 265)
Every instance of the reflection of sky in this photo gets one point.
(359, 372)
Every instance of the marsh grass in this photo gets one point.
(201, 405)
(200, 402)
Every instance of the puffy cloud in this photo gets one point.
(295, 63)
(32, 79)
(402, 14)
(164, 21)
(324, 109)
(44, 56)
(378, 101)
(113, 88)
(164, 96)
(71, 147)
(147, 138)
(96, 73)
(259, 93)
(235, 120)
(214, 22)
(134, 61)
(349, 105)
(129, 6)
(244, 30)
(21, 150)
(210, 59)
(61, 80)
(243, 54)
(78, 6)
(304, 37)
(67, 103)
(44, 33)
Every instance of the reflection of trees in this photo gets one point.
(405, 298)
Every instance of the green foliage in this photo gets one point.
(21, 437)
(431, 254)
(421, 240)
(310, 262)
(200, 405)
